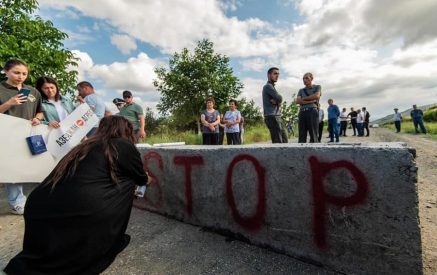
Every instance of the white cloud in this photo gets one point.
(254, 64)
(136, 74)
(124, 43)
(375, 53)
(172, 25)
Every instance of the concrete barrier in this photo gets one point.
(351, 208)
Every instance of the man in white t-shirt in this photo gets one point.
(397, 118)
(343, 122)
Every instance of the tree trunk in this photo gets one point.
(199, 131)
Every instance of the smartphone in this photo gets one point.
(24, 91)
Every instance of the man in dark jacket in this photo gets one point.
(366, 117)
(417, 117)
(272, 108)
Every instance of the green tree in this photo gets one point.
(193, 77)
(28, 37)
(252, 114)
(289, 111)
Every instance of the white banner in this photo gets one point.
(17, 164)
(73, 128)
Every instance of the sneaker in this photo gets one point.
(140, 191)
(17, 210)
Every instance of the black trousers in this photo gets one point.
(277, 131)
(366, 126)
(354, 126)
(398, 126)
(210, 138)
(233, 138)
(308, 124)
(321, 124)
(343, 127)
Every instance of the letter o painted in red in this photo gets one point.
(255, 222)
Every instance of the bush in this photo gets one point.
(430, 115)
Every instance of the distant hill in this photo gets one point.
(405, 114)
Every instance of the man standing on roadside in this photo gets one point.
(353, 114)
(343, 122)
(135, 114)
(333, 114)
(397, 118)
(366, 117)
(417, 117)
(272, 108)
(96, 103)
(308, 98)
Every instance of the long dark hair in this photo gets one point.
(109, 128)
(12, 63)
(47, 79)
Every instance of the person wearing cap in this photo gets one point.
(119, 103)
(397, 118)
(417, 117)
(135, 114)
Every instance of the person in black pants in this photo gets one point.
(308, 99)
(366, 117)
(272, 101)
(353, 116)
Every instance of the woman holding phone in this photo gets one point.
(18, 100)
(56, 107)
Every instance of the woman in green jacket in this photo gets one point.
(56, 107)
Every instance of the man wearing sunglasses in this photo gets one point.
(135, 114)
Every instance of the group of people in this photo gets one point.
(76, 219)
(338, 122)
(215, 125)
(311, 116)
(417, 117)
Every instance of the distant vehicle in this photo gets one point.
(374, 125)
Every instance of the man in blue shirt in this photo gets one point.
(96, 103)
(417, 117)
(333, 114)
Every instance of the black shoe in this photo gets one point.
(124, 242)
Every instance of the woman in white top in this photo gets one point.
(232, 121)
(56, 107)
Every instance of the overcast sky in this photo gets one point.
(375, 53)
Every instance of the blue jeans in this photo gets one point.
(360, 129)
(15, 194)
(333, 129)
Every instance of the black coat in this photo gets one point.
(78, 228)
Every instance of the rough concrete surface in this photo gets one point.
(140, 258)
(351, 207)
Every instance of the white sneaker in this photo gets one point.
(17, 210)
(140, 191)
